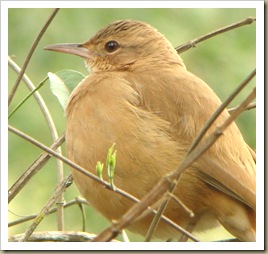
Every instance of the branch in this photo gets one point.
(191, 44)
(45, 210)
(249, 107)
(56, 236)
(76, 201)
(32, 170)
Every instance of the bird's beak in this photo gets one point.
(71, 48)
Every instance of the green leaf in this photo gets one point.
(108, 157)
(62, 84)
(110, 163)
(99, 169)
(71, 78)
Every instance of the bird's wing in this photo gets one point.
(227, 182)
(187, 103)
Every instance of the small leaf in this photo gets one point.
(110, 163)
(99, 169)
(70, 78)
(59, 89)
(108, 157)
(62, 84)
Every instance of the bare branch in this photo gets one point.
(191, 44)
(56, 236)
(32, 170)
(45, 210)
(249, 107)
(76, 201)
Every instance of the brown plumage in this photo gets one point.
(140, 96)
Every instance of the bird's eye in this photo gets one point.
(111, 46)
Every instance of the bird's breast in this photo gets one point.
(106, 111)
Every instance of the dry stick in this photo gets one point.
(93, 177)
(45, 210)
(161, 210)
(81, 207)
(76, 201)
(197, 140)
(32, 170)
(56, 236)
(190, 44)
(249, 107)
(27, 60)
(163, 185)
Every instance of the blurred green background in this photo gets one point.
(223, 62)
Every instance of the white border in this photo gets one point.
(259, 5)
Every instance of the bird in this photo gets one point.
(140, 96)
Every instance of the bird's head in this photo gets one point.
(123, 45)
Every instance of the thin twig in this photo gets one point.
(32, 170)
(27, 60)
(76, 201)
(191, 44)
(249, 107)
(187, 209)
(155, 221)
(81, 207)
(45, 210)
